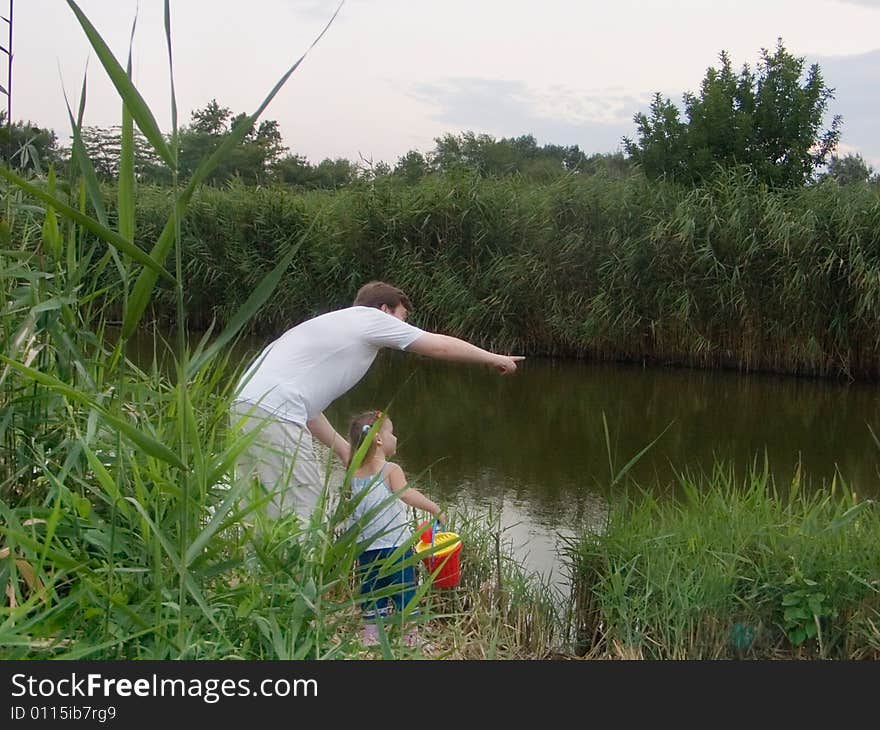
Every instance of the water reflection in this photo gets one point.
(539, 434)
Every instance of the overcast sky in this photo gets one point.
(391, 75)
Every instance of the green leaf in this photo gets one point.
(152, 447)
(110, 237)
(125, 194)
(130, 95)
(215, 523)
(143, 287)
(83, 506)
(51, 233)
(81, 158)
(108, 484)
(171, 70)
(632, 462)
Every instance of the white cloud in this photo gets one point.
(866, 3)
(595, 121)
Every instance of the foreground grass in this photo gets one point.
(281, 591)
(735, 569)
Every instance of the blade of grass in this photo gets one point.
(108, 236)
(143, 287)
(171, 74)
(82, 161)
(150, 445)
(125, 193)
(130, 95)
(639, 455)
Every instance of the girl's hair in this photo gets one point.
(358, 430)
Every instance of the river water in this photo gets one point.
(539, 450)
(541, 447)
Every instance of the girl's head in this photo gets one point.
(384, 439)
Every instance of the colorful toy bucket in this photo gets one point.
(444, 564)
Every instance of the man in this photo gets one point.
(298, 375)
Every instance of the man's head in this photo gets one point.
(383, 296)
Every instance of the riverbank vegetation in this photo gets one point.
(737, 569)
(726, 274)
(122, 536)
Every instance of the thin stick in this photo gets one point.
(498, 570)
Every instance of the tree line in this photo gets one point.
(767, 121)
(262, 158)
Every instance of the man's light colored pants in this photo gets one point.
(282, 457)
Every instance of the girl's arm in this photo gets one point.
(321, 429)
(410, 495)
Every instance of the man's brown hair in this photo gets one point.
(377, 293)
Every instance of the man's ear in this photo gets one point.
(385, 308)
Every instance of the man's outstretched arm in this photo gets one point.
(444, 347)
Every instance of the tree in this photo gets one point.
(294, 170)
(328, 174)
(848, 170)
(412, 167)
(336, 173)
(103, 146)
(489, 157)
(268, 138)
(25, 146)
(251, 161)
(213, 119)
(769, 121)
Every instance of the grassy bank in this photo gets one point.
(734, 570)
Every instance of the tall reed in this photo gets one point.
(730, 274)
(732, 570)
(120, 532)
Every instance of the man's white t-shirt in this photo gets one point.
(302, 372)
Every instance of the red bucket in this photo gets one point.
(444, 564)
(425, 530)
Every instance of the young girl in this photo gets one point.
(384, 524)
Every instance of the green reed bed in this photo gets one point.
(110, 550)
(730, 274)
(732, 569)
